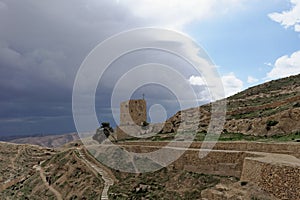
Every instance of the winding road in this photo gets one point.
(107, 177)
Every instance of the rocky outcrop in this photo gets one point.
(286, 122)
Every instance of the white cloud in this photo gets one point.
(252, 80)
(285, 66)
(196, 80)
(297, 28)
(232, 84)
(268, 64)
(289, 18)
(177, 13)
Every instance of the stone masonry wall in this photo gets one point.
(278, 174)
(133, 112)
(225, 163)
(281, 148)
(282, 179)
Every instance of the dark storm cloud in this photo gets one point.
(42, 44)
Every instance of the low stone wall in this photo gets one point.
(280, 148)
(136, 131)
(275, 174)
(278, 174)
(224, 163)
(120, 134)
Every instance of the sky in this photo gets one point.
(43, 44)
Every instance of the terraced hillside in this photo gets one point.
(17, 161)
(233, 170)
(32, 172)
(272, 108)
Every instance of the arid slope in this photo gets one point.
(272, 108)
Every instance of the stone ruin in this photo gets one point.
(133, 112)
(133, 116)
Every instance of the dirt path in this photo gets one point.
(107, 177)
(13, 161)
(43, 177)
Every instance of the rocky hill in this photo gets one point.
(269, 109)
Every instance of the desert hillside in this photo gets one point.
(70, 172)
(34, 172)
(272, 108)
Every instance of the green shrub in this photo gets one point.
(296, 105)
(243, 183)
(144, 124)
(272, 123)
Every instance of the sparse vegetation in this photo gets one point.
(227, 136)
(145, 124)
(272, 123)
(166, 183)
(63, 170)
(249, 110)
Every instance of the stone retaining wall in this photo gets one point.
(278, 177)
(282, 148)
(224, 163)
(278, 174)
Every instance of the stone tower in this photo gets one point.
(133, 112)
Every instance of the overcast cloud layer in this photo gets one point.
(42, 44)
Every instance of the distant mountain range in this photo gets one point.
(47, 141)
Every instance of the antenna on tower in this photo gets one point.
(143, 96)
